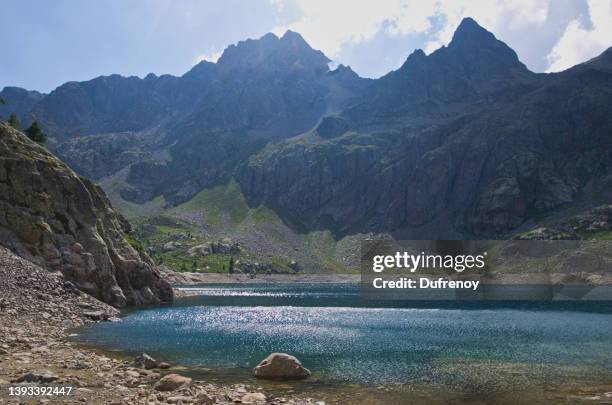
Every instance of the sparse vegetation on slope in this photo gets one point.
(176, 237)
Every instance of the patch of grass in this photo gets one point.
(322, 243)
(217, 204)
(263, 216)
(281, 264)
(604, 235)
(135, 243)
(221, 212)
(324, 249)
(214, 263)
(156, 232)
(133, 211)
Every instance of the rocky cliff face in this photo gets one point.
(259, 91)
(203, 123)
(474, 68)
(464, 141)
(63, 222)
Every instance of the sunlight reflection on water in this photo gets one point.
(356, 344)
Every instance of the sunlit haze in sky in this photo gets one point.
(46, 43)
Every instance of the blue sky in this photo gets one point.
(46, 43)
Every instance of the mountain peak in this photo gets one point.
(479, 52)
(292, 36)
(202, 69)
(269, 37)
(469, 31)
(417, 54)
(343, 69)
(270, 52)
(344, 73)
(469, 24)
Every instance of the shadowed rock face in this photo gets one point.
(18, 101)
(204, 123)
(54, 218)
(331, 127)
(464, 141)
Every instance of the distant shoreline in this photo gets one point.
(183, 279)
(578, 278)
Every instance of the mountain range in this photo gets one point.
(463, 142)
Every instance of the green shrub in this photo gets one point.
(35, 133)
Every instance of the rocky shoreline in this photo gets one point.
(187, 278)
(38, 311)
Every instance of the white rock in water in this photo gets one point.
(281, 365)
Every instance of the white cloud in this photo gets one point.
(328, 25)
(334, 26)
(496, 16)
(579, 43)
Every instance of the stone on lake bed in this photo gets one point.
(281, 366)
(145, 361)
(172, 382)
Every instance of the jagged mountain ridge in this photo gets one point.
(462, 141)
(21, 102)
(110, 104)
(473, 68)
(259, 90)
(465, 141)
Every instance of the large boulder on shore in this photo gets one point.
(171, 382)
(281, 366)
(61, 221)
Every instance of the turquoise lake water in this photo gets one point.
(344, 338)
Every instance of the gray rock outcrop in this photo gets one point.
(63, 222)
